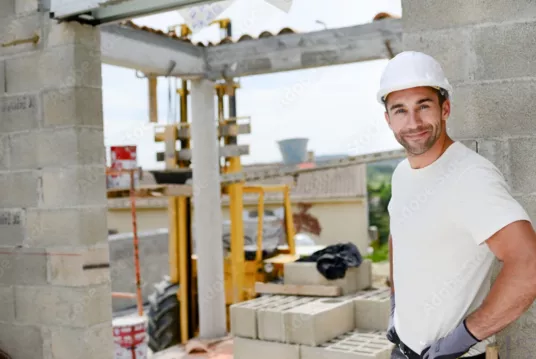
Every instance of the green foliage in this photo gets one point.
(380, 254)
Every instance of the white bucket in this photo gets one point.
(130, 338)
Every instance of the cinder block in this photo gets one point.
(19, 189)
(356, 344)
(23, 266)
(18, 28)
(18, 113)
(70, 33)
(435, 14)
(66, 227)
(21, 341)
(78, 267)
(497, 152)
(7, 8)
(478, 110)
(4, 152)
(356, 278)
(58, 67)
(57, 148)
(74, 186)
(2, 74)
(26, 6)
(372, 309)
(73, 106)
(529, 204)
(244, 315)
(514, 58)
(249, 348)
(12, 226)
(73, 307)
(86, 343)
(7, 298)
(271, 319)
(318, 321)
(521, 160)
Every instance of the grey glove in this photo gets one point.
(392, 336)
(454, 345)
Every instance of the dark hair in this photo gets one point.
(442, 95)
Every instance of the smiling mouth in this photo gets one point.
(417, 135)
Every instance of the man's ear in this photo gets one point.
(446, 109)
(387, 118)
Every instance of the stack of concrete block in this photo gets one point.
(295, 327)
(305, 273)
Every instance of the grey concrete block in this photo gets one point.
(304, 273)
(2, 76)
(59, 67)
(12, 226)
(4, 152)
(86, 343)
(66, 266)
(19, 113)
(18, 28)
(479, 110)
(271, 319)
(73, 106)
(7, 298)
(57, 148)
(528, 202)
(74, 186)
(64, 306)
(23, 266)
(505, 51)
(7, 8)
(372, 309)
(69, 33)
(21, 341)
(318, 321)
(522, 161)
(26, 6)
(154, 263)
(19, 189)
(472, 144)
(517, 340)
(436, 14)
(355, 344)
(249, 348)
(244, 315)
(66, 227)
(458, 64)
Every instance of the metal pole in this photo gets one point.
(136, 251)
(207, 212)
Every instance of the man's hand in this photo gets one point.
(392, 336)
(454, 345)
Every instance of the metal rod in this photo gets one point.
(135, 235)
(34, 39)
(260, 223)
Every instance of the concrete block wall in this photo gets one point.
(487, 50)
(52, 190)
(244, 314)
(304, 273)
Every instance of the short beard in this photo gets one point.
(419, 149)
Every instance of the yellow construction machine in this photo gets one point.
(173, 313)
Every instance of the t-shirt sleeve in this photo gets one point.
(485, 204)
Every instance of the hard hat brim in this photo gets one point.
(384, 92)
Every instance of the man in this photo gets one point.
(451, 215)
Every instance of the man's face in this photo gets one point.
(416, 119)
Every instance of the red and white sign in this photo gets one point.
(130, 337)
(123, 158)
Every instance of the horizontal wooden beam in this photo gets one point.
(223, 130)
(226, 151)
(377, 40)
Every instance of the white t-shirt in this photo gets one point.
(441, 215)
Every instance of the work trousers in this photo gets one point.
(397, 354)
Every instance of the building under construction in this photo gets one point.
(55, 270)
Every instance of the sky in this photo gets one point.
(334, 107)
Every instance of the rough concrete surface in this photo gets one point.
(372, 309)
(249, 348)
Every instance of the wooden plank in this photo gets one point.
(293, 289)
(492, 351)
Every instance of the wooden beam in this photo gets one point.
(151, 53)
(377, 40)
(153, 102)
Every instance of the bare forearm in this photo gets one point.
(511, 295)
(391, 281)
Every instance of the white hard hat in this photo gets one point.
(412, 69)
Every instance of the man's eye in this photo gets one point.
(423, 107)
(399, 111)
